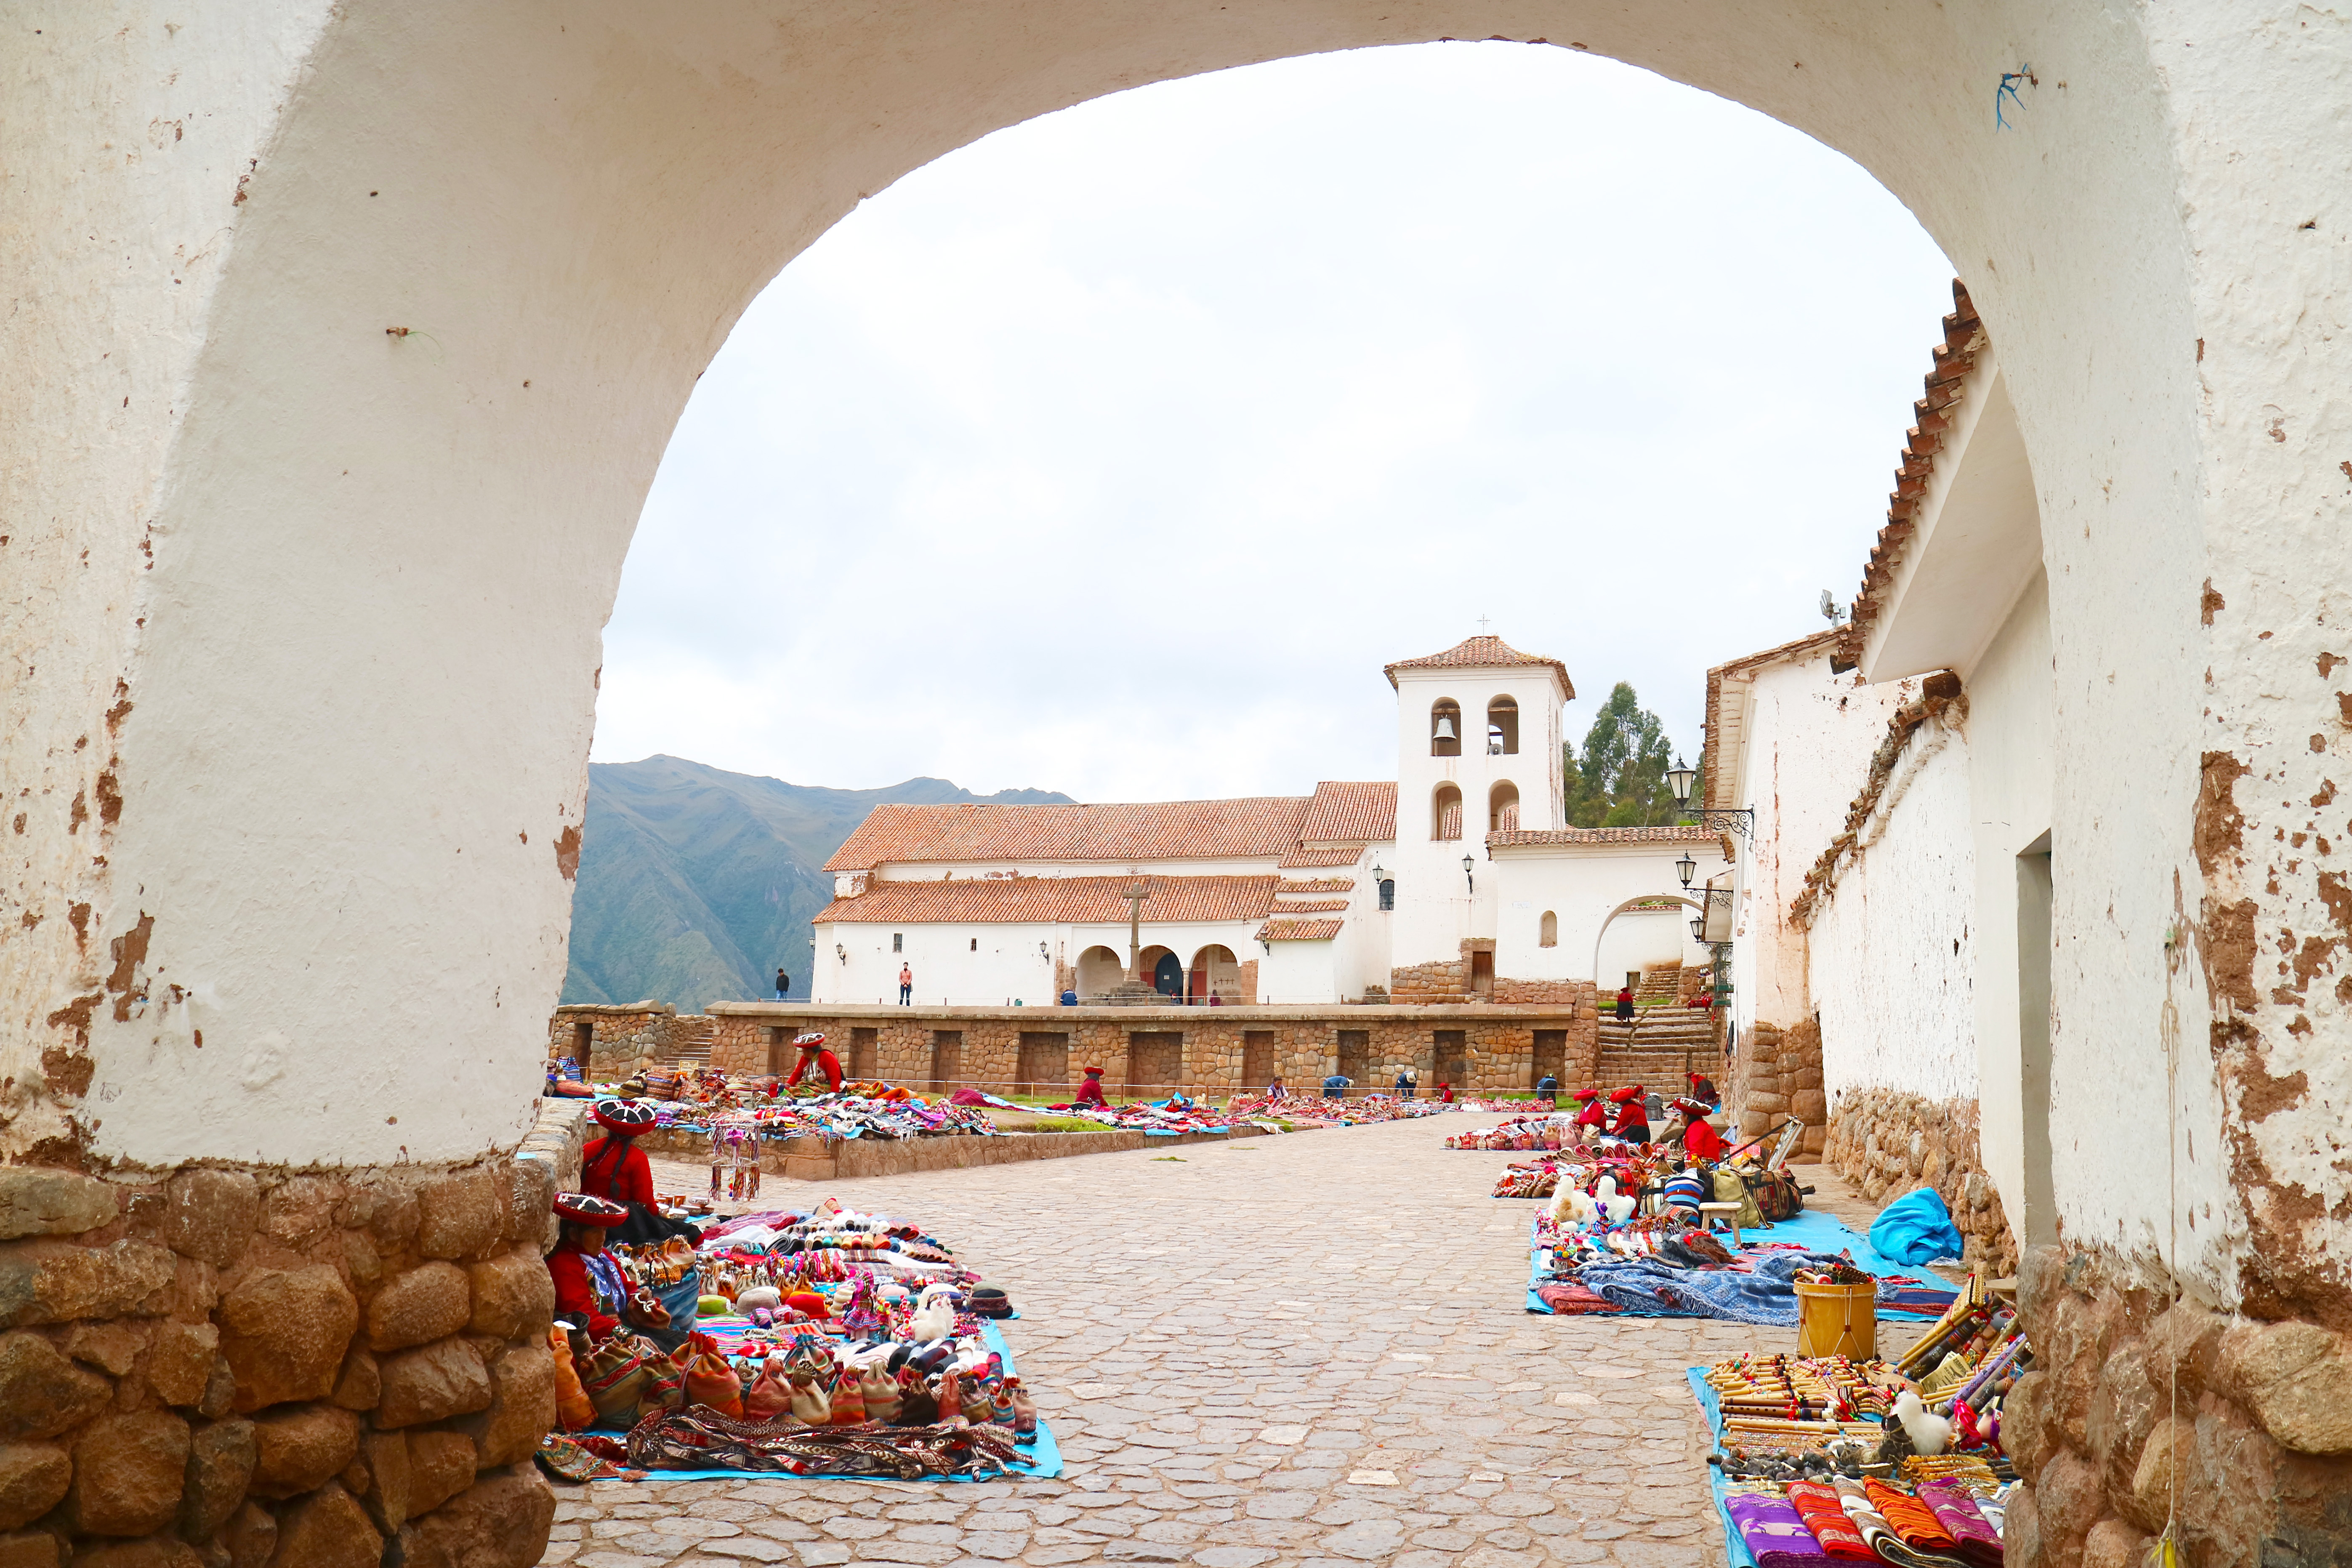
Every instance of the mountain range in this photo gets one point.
(695, 883)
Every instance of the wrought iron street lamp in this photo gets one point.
(1467, 863)
(1686, 868)
(1679, 779)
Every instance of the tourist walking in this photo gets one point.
(783, 984)
(905, 986)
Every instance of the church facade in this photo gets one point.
(1459, 881)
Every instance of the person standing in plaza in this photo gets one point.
(783, 984)
(1548, 1091)
(1624, 1003)
(906, 985)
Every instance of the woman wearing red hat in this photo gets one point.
(1633, 1122)
(1590, 1115)
(615, 1169)
(1090, 1092)
(814, 1055)
(1702, 1089)
(589, 1289)
(1700, 1140)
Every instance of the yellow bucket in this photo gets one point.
(1837, 1320)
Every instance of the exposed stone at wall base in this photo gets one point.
(2144, 1410)
(1777, 1074)
(250, 1367)
(1888, 1143)
(1217, 1051)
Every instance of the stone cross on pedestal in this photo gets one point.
(1135, 897)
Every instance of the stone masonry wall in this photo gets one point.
(1888, 1143)
(1499, 1053)
(235, 1367)
(624, 1039)
(2146, 1409)
(1776, 1075)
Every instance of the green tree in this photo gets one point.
(1621, 780)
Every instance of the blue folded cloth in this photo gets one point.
(1915, 1228)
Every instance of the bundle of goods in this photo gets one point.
(1827, 1458)
(1371, 1108)
(826, 1342)
(1528, 1179)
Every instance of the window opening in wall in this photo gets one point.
(898, 942)
(1550, 1058)
(1445, 728)
(946, 1058)
(1548, 930)
(780, 1051)
(1482, 974)
(864, 1051)
(1387, 892)
(584, 1042)
(1502, 728)
(1044, 1061)
(1503, 808)
(975, 944)
(1446, 813)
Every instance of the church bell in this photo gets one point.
(1444, 728)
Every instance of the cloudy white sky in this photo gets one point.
(1116, 452)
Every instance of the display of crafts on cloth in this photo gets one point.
(820, 1343)
(1360, 1113)
(860, 1110)
(1167, 1118)
(1592, 1252)
(1540, 1130)
(1823, 1459)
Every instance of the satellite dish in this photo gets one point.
(1832, 611)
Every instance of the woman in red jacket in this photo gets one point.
(589, 1289)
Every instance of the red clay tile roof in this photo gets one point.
(1081, 900)
(1310, 906)
(1298, 930)
(1964, 337)
(1351, 813)
(1316, 885)
(1264, 826)
(1306, 860)
(1486, 653)
(1682, 834)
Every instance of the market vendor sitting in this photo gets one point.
(1700, 1140)
(1632, 1123)
(590, 1288)
(1091, 1091)
(1702, 1089)
(615, 1169)
(814, 1055)
(1588, 1112)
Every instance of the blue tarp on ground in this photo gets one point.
(1915, 1228)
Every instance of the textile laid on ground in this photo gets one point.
(1167, 1119)
(1814, 1463)
(1358, 1112)
(701, 1099)
(1662, 1265)
(818, 1342)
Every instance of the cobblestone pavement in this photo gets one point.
(1304, 1349)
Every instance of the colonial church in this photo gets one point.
(1460, 880)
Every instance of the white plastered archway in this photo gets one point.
(1601, 935)
(350, 337)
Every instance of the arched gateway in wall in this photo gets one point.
(337, 405)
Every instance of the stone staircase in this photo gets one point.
(689, 1042)
(1652, 1048)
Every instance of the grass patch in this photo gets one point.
(1067, 1124)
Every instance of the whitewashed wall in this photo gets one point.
(1892, 948)
(1809, 736)
(1583, 885)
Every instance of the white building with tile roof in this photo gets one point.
(1361, 885)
